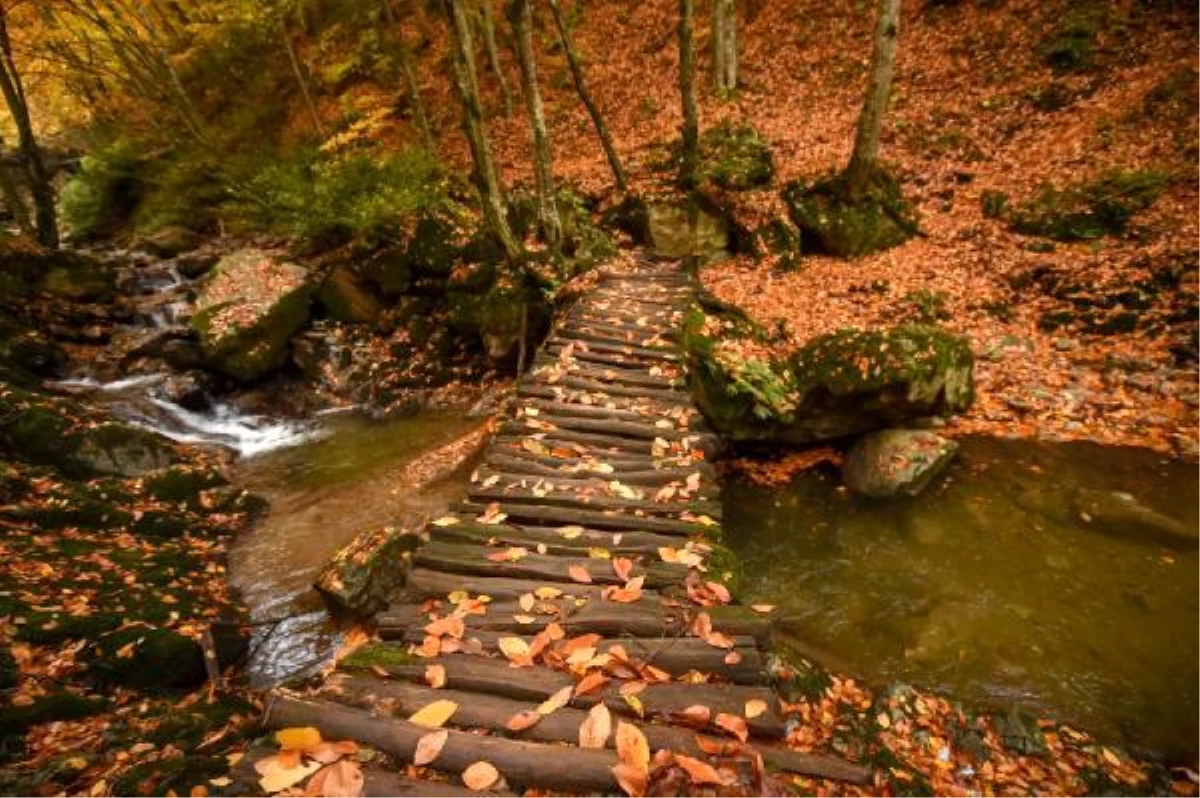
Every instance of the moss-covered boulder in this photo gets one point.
(363, 575)
(687, 230)
(147, 657)
(835, 386)
(735, 157)
(247, 311)
(1086, 211)
(498, 316)
(848, 221)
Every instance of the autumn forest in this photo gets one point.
(599, 397)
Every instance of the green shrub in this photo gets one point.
(105, 192)
(1089, 211)
(357, 195)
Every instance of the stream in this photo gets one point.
(1030, 576)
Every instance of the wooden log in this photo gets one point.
(606, 618)
(492, 713)
(648, 414)
(609, 375)
(675, 655)
(473, 560)
(621, 334)
(577, 454)
(557, 498)
(596, 337)
(657, 477)
(425, 583)
(530, 389)
(595, 519)
(610, 387)
(581, 770)
(557, 345)
(594, 485)
(583, 540)
(645, 429)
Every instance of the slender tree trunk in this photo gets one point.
(493, 53)
(727, 77)
(299, 75)
(610, 152)
(473, 123)
(870, 122)
(39, 179)
(410, 78)
(522, 22)
(14, 200)
(687, 91)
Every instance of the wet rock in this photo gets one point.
(146, 657)
(170, 241)
(195, 264)
(835, 386)
(190, 390)
(248, 310)
(33, 352)
(679, 231)
(363, 575)
(1121, 515)
(113, 448)
(345, 299)
(896, 462)
(183, 484)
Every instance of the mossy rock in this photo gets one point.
(55, 706)
(75, 277)
(362, 576)
(376, 655)
(345, 299)
(183, 484)
(114, 448)
(630, 216)
(147, 658)
(248, 310)
(837, 385)
(696, 229)
(838, 219)
(735, 157)
(1089, 211)
(495, 317)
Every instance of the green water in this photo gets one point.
(322, 494)
(1060, 578)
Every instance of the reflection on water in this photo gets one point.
(322, 494)
(1057, 577)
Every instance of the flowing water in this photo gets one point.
(322, 494)
(1058, 578)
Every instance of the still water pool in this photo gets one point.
(1060, 578)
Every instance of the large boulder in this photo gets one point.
(248, 310)
(344, 298)
(147, 657)
(896, 462)
(837, 385)
(837, 219)
(363, 575)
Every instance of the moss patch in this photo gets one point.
(1082, 212)
(838, 219)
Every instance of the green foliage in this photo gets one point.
(358, 196)
(735, 157)
(105, 192)
(993, 203)
(1092, 210)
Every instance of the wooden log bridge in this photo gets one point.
(580, 570)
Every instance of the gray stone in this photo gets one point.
(896, 462)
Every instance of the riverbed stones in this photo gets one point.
(896, 462)
(247, 311)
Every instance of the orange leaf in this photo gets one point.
(525, 719)
(632, 780)
(590, 683)
(480, 776)
(696, 715)
(596, 728)
(557, 701)
(435, 676)
(342, 779)
(755, 707)
(733, 658)
(580, 574)
(632, 747)
(698, 771)
(622, 567)
(734, 725)
(430, 746)
(720, 591)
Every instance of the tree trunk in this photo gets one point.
(410, 78)
(687, 91)
(610, 152)
(299, 74)
(522, 22)
(724, 46)
(14, 200)
(487, 180)
(493, 52)
(870, 121)
(39, 180)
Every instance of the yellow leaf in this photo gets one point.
(434, 715)
(430, 746)
(513, 647)
(445, 520)
(480, 776)
(279, 778)
(596, 728)
(570, 532)
(755, 707)
(556, 701)
(547, 593)
(298, 738)
(763, 608)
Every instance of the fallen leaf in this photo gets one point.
(632, 780)
(596, 728)
(763, 608)
(298, 738)
(435, 714)
(557, 701)
(280, 778)
(342, 779)
(430, 746)
(591, 683)
(480, 776)
(755, 707)
(523, 720)
(579, 574)
(516, 649)
(632, 747)
(697, 716)
(622, 567)
(435, 676)
(734, 725)
(698, 771)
